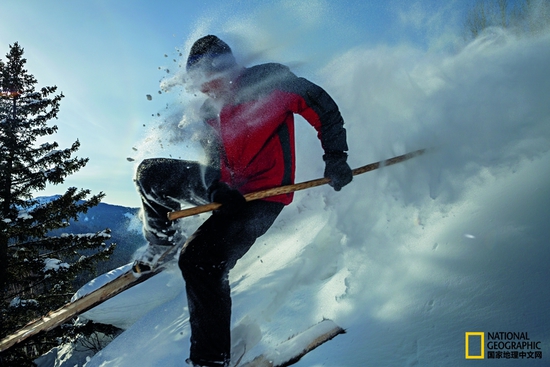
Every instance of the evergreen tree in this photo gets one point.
(520, 17)
(37, 270)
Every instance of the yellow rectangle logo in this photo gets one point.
(481, 334)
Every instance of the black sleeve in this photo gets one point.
(331, 130)
(326, 117)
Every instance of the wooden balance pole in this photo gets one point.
(294, 187)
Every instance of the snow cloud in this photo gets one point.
(483, 108)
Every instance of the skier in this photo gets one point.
(250, 147)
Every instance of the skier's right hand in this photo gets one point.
(231, 199)
(337, 169)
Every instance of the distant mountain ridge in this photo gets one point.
(123, 222)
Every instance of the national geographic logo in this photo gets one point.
(501, 345)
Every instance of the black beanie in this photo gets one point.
(210, 53)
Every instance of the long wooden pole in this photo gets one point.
(294, 187)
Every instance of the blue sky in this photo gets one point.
(106, 56)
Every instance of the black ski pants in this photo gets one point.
(209, 254)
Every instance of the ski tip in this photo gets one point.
(139, 269)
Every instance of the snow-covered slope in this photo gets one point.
(407, 258)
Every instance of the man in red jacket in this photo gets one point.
(250, 147)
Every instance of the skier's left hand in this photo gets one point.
(231, 199)
(337, 169)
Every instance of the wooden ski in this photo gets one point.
(55, 318)
(294, 187)
(293, 349)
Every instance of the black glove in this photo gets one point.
(337, 169)
(231, 199)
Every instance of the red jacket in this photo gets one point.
(252, 136)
